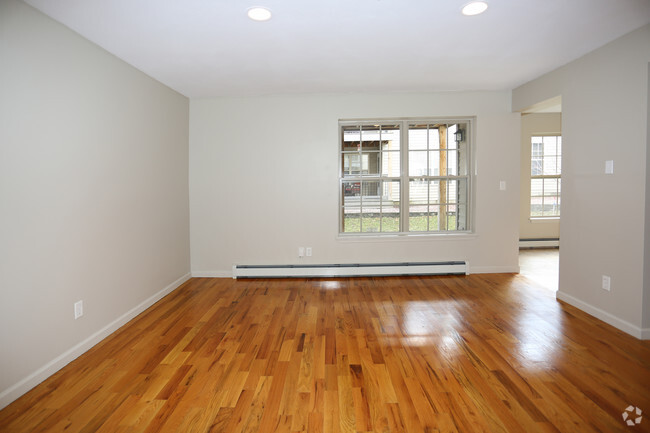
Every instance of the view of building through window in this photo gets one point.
(404, 176)
(545, 171)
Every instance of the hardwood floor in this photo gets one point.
(541, 265)
(479, 353)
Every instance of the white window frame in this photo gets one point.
(404, 177)
(543, 176)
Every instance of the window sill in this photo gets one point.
(535, 220)
(407, 237)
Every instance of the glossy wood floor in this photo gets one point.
(480, 353)
(542, 265)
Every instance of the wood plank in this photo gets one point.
(479, 353)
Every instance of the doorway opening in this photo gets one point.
(540, 195)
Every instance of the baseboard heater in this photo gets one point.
(350, 270)
(539, 243)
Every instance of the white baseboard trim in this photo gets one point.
(610, 319)
(472, 270)
(15, 391)
(539, 243)
(212, 274)
(494, 270)
(349, 270)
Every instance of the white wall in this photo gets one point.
(646, 257)
(535, 124)
(93, 194)
(604, 117)
(263, 181)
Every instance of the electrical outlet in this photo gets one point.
(607, 283)
(301, 251)
(502, 185)
(308, 251)
(78, 309)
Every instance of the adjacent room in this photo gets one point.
(291, 217)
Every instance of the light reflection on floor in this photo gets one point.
(444, 325)
(537, 339)
(330, 284)
(541, 266)
(431, 323)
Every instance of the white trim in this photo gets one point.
(494, 270)
(542, 220)
(541, 243)
(15, 391)
(645, 334)
(408, 237)
(470, 270)
(212, 274)
(606, 317)
(349, 270)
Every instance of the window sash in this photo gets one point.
(546, 176)
(379, 213)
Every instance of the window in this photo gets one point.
(545, 172)
(404, 176)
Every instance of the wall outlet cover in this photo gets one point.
(607, 283)
(78, 309)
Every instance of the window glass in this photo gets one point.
(545, 170)
(417, 167)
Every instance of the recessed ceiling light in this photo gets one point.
(259, 14)
(474, 8)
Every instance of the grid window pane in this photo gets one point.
(452, 162)
(351, 192)
(418, 216)
(551, 166)
(390, 208)
(376, 209)
(370, 150)
(369, 191)
(434, 184)
(434, 139)
(352, 164)
(550, 145)
(371, 163)
(391, 193)
(451, 189)
(419, 192)
(390, 164)
(418, 163)
(418, 137)
(536, 187)
(370, 137)
(551, 187)
(434, 221)
(434, 191)
(390, 137)
(351, 220)
(434, 163)
(448, 217)
(350, 138)
(370, 222)
(372, 160)
(546, 169)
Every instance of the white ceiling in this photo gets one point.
(208, 48)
